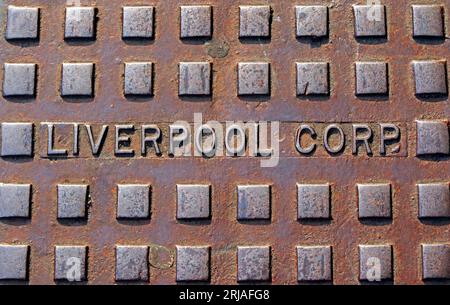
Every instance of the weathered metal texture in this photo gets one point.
(193, 263)
(109, 238)
(63, 264)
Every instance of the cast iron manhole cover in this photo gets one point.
(224, 141)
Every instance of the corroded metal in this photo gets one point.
(89, 178)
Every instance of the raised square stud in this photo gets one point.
(254, 21)
(70, 263)
(138, 78)
(432, 138)
(314, 263)
(193, 263)
(195, 78)
(436, 261)
(196, 21)
(430, 77)
(312, 21)
(77, 79)
(138, 22)
(375, 263)
(370, 20)
(15, 200)
(428, 21)
(434, 200)
(17, 139)
(13, 262)
(254, 263)
(313, 201)
(131, 263)
(371, 78)
(80, 22)
(254, 78)
(22, 23)
(193, 201)
(72, 200)
(254, 202)
(19, 79)
(312, 78)
(133, 201)
(374, 200)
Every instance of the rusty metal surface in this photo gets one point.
(414, 246)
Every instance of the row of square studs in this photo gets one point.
(253, 78)
(253, 201)
(254, 22)
(193, 263)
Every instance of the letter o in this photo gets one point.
(229, 146)
(326, 134)
(209, 151)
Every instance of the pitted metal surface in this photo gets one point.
(94, 96)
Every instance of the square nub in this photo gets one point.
(138, 78)
(193, 263)
(254, 263)
(133, 201)
(80, 23)
(19, 79)
(195, 21)
(194, 78)
(428, 21)
(77, 79)
(72, 200)
(313, 201)
(22, 23)
(436, 261)
(193, 201)
(312, 78)
(15, 200)
(432, 138)
(254, 21)
(71, 263)
(314, 263)
(434, 200)
(14, 260)
(254, 202)
(132, 263)
(254, 78)
(370, 20)
(17, 140)
(374, 201)
(375, 263)
(138, 22)
(312, 21)
(372, 78)
(430, 77)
